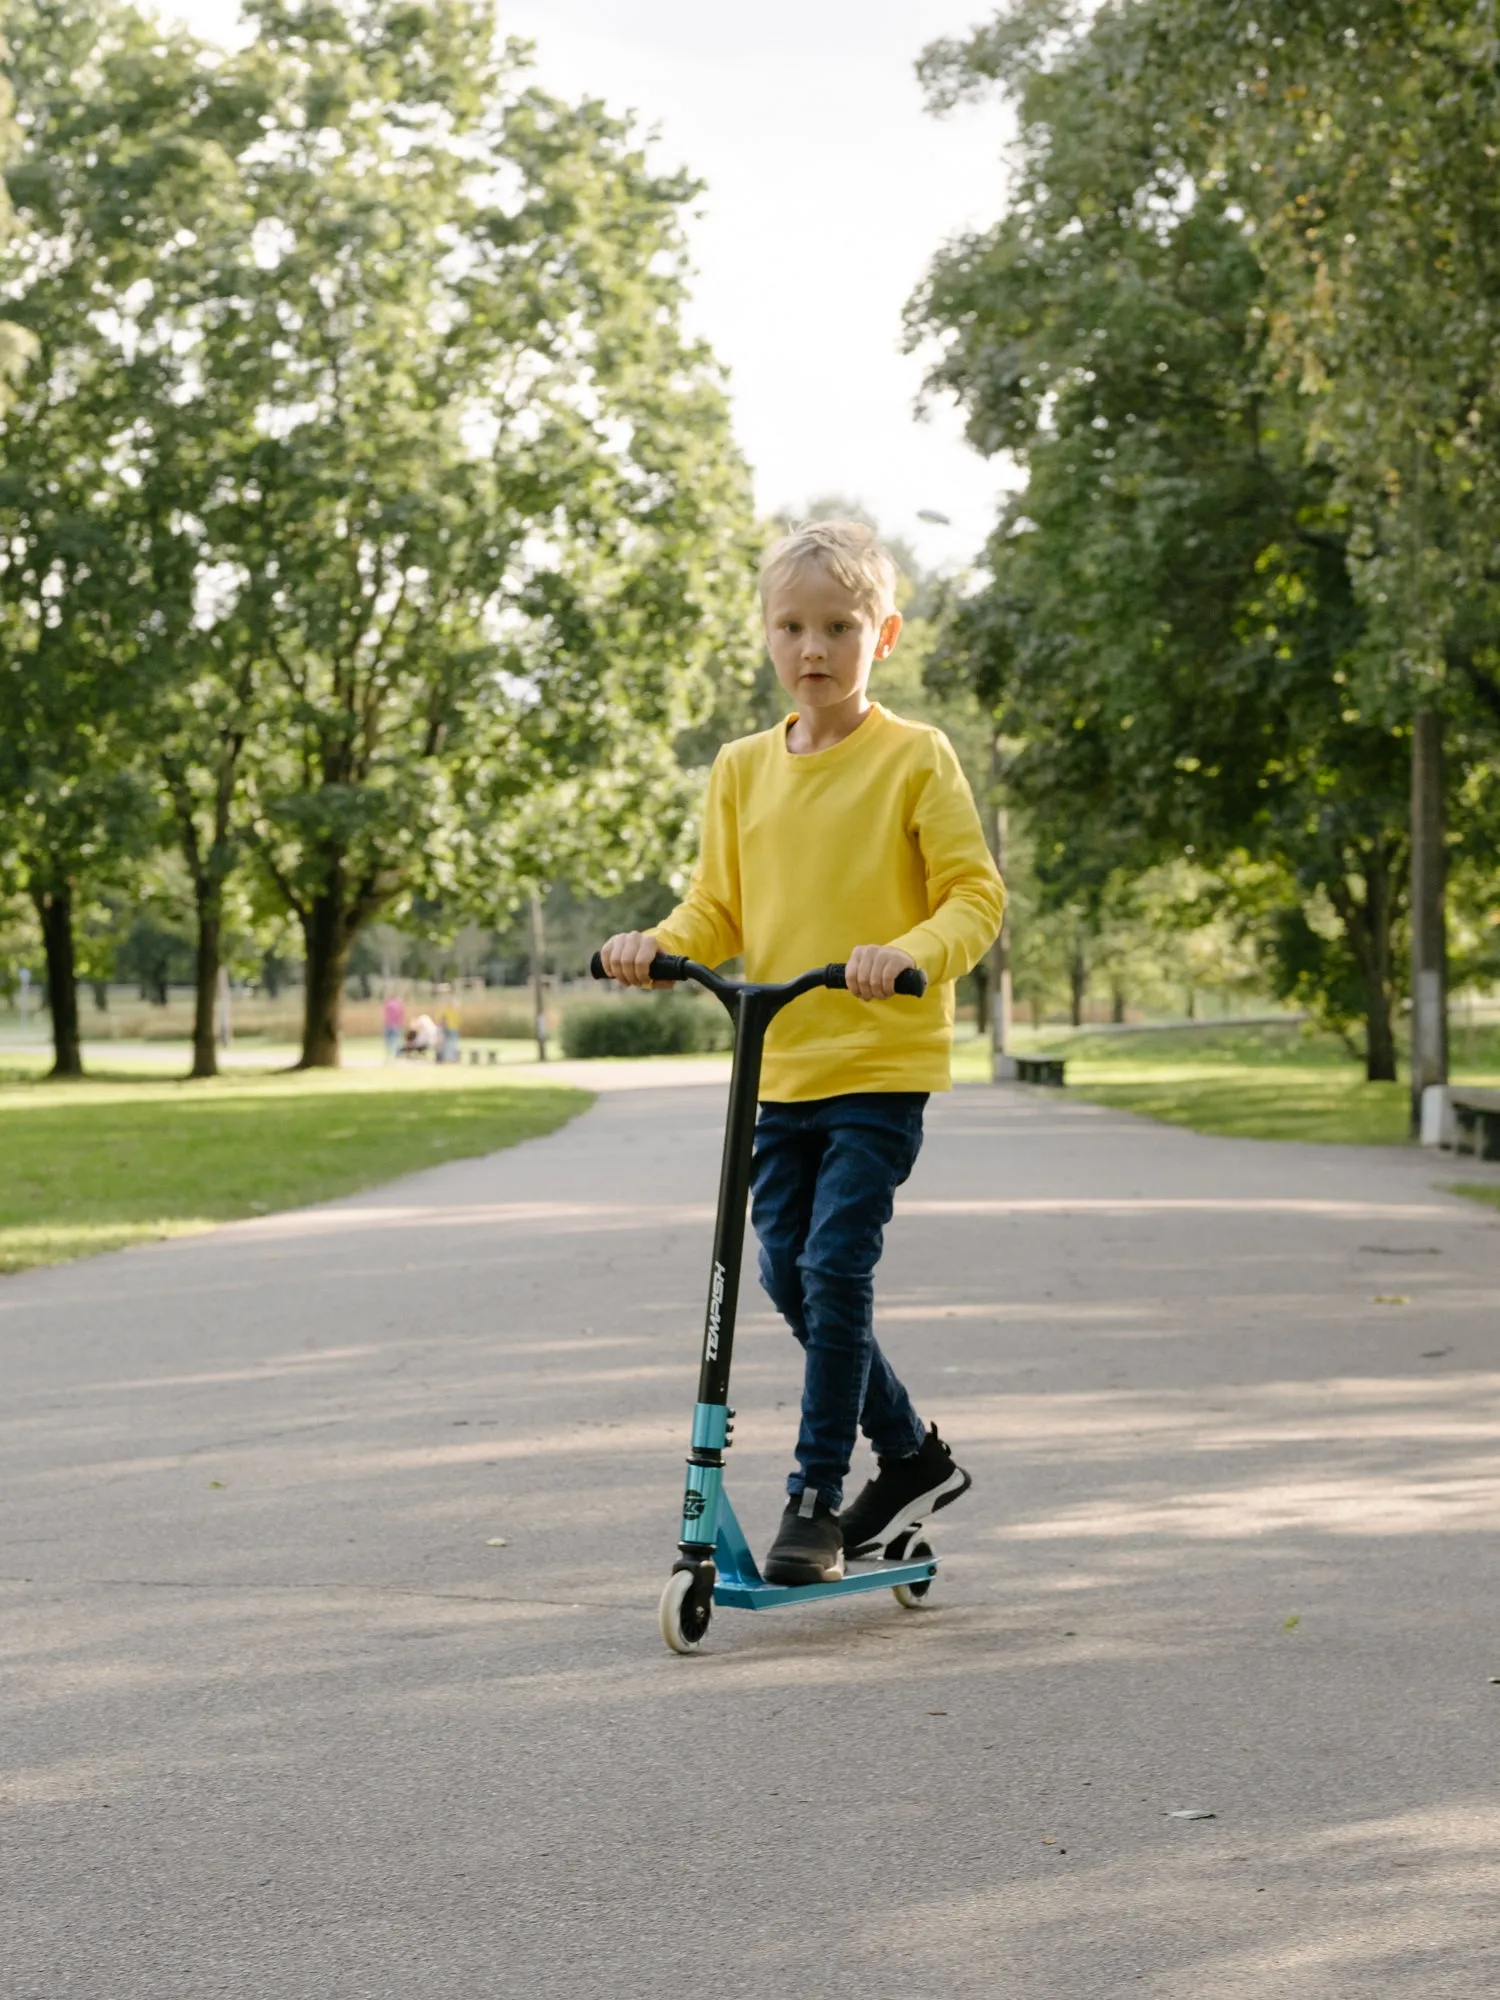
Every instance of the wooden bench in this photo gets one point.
(1037, 1069)
(1475, 1122)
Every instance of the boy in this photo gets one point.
(842, 833)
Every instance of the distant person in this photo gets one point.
(423, 1037)
(841, 833)
(393, 1014)
(449, 1020)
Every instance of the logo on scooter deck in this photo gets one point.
(715, 1310)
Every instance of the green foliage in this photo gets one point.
(1178, 621)
(493, 536)
(154, 956)
(399, 519)
(16, 345)
(659, 1026)
(116, 147)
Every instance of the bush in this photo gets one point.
(644, 1027)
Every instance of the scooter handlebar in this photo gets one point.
(912, 983)
(662, 967)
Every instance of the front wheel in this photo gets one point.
(913, 1596)
(685, 1611)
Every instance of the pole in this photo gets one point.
(1002, 1064)
(225, 1024)
(538, 976)
(1429, 941)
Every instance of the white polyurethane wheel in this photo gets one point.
(914, 1596)
(673, 1601)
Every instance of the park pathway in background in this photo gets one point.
(332, 1544)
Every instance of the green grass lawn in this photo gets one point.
(1485, 1191)
(1273, 1082)
(119, 1159)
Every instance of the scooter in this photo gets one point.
(715, 1565)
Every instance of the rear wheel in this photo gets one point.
(913, 1596)
(686, 1608)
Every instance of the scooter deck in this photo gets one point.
(741, 1584)
(869, 1576)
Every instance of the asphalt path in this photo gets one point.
(332, 1544)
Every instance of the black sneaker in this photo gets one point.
(809, 1544)
(902, 1494)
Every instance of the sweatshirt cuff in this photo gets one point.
(927, 951)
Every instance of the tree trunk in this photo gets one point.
(327, 940)
(1001, 996)
(1429, 942)
(1078, 975)
(1367, 927)
(1117, 1005)
(1380, 1037)
(205, 994)
(1380, 1026)
(539, 976)
(54, 908)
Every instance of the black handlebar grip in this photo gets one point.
(662, 967)
(912, 983)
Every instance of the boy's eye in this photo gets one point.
(838, 627)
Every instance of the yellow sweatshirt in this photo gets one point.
(874, 841)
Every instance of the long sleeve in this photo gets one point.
(964, 890)
(706, 924)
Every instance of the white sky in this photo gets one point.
(828, 189)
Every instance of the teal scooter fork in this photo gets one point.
(715, 1565)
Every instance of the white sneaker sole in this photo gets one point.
(915, 1512)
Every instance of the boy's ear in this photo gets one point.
(890, 632)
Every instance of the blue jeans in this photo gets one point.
(822, 1185)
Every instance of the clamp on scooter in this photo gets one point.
(715, 1565)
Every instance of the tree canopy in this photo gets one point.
(1187, 616)
(430, 511)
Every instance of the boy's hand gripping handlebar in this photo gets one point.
(912, 983)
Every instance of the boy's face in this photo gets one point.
(823, 641)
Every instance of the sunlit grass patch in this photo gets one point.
(1486, 1191)
(1268, 1081)
(1255, 1102)
(101, 1164)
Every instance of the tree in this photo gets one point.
(481, 536)
(1173, 617)
(1351, 144)
(116, 122)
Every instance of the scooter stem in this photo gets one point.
(753, 1015)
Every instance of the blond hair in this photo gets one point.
(849, 552)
